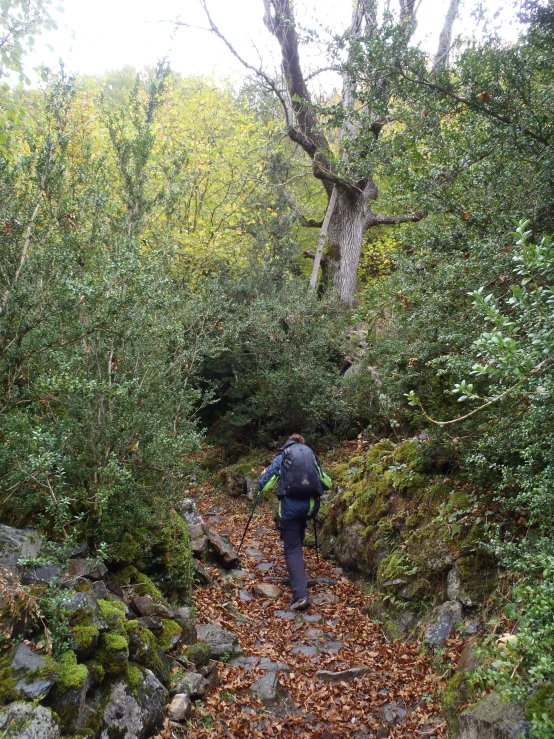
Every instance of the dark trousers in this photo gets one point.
(292, 534)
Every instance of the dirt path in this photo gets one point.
(397, 697)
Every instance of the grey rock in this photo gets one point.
(219, 640)
(305, 649)
(100, 590)
(211, 673)
(468, 659)
(471, 579)
(85, 568)
(391, 712)
(322, 599)
(154, 623)
(80, 550)
(333, 647)
(201, 574)
(267, 590)
(397, 584)
(348, 546)
(24, 663)
(286, 615)
(180, 708)
(342, 675)
(190, 513)
(245, 596)
(145, 605)
(16, 544)
(492, 719)
(186, 621)
(407, 622)
(269, 666)
(313, 618)
(25, 721)
(83, 608)
(264, 566)
(251, 489)
(134, 715)
(472, 627)
(268, 690)
(223, 550)
(41, 575)
(71, 705)
(441, 621)
(192, 684)
(254, 553)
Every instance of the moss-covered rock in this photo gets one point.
(170, 636)
(113, 653)
(198, 654)
(113, 612)
(85, 639)
(144, 649)
(541, 702)
(142, 584)
(458, 692)
(71, 675)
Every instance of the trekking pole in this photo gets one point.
(315, 538)
(248, 524)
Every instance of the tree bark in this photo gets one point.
(321, 241)
(445, 38)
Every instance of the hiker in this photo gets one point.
(301, 482)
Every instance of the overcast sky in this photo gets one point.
(98, 35)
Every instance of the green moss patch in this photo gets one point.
(198, 654)
(85, 637)
(171, 629)
(71, 675)
(113, 653)
(541, 703)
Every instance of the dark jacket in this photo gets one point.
(291, 507)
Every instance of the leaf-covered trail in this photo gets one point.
(396, 698)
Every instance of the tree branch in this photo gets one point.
(377, 220)
(540, 366)
(308, 222)
(257, 71)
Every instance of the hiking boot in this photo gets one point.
(300, 604)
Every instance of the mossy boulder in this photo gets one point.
(472, 579)
(113, 653)
(144, 649)
(198, 654)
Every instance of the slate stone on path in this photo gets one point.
(342, 675)
(261, 532)
(266, 664)
(254, 553)
(391, 712)
(267, 590)
(264, 567)
(323, 599)
(333, 647)
(321, 581)
(220, 641)
(246, 663)
(305, 649)
(245, 596)
(313, 618)
(286, 615)
(268, 690)
(223, 550)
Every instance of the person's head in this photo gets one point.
(297, 438)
